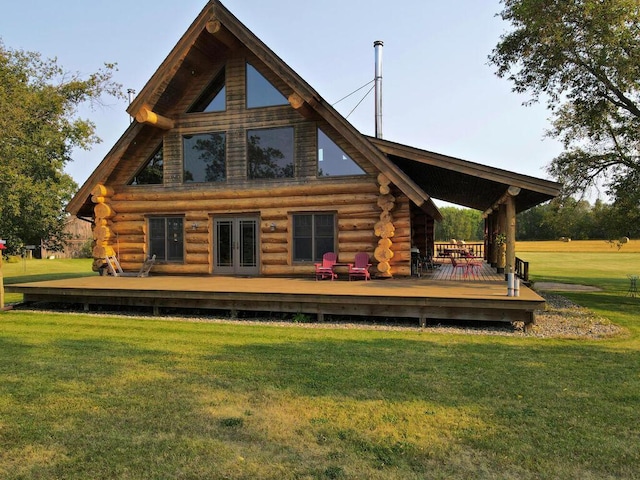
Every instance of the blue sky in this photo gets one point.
(439, 93)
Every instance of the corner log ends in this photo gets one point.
(148, 116)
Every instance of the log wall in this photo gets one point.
(125, 233)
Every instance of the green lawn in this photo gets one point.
(111, 397)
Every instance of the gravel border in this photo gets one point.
(561, 319)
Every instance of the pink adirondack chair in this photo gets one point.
(360, 269)
(325, 269)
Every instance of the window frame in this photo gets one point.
(316, 254)
(285, 101)
(165, 257)
(189, 136)
(293, 152)
(156, 151)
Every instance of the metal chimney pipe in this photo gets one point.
(377, 45)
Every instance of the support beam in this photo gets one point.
(502, 228)
(509, 193)
(219, 31)
(510, 266)
(148, 116)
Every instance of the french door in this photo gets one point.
(236, 245)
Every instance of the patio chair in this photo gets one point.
(113, 267)
(455, 265)
(325, 269)
(474, 265)
(361, 267)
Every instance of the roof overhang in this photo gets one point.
(466, 183)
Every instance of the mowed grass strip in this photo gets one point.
(97, 397)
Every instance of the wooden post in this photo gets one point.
(493, 248)
(510, 218)
(502, 228)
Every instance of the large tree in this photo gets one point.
(39, 129)
(583, 58)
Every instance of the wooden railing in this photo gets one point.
(522, 269)
(448, 249)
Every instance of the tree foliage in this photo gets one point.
(583, 58)
(461, 224)
(39, 129)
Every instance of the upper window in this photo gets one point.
(205, 157)
(151, 173)
(260, 92)
(270, 153)
(332, 161)
(214, 98)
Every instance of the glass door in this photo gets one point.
(236, 246)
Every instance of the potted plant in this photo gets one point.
(500, 241)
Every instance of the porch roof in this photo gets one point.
(465, 183)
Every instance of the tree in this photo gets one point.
(583, 57)
(460, 223)
(39, 129)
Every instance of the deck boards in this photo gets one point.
(432, 296)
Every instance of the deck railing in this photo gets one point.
(522, 269)
(448, 249)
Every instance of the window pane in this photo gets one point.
(332, 161)
(224, 235)
(248, 243)
(270, 153)
(323, 245)
(151, 173)
(324, 225)
(214, 98)
(260, 92)
(157, 238)
(303, 225)
(175, 244)
(205, 157)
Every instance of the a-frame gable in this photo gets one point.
(213, 38)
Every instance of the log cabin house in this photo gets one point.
(234, 165)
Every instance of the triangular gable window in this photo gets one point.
(332, 161)
(260, 92)
(152, 172)
(214, 98)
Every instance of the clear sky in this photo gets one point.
(439, 93)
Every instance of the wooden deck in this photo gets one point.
(433, 296)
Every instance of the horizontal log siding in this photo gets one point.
(357, 214)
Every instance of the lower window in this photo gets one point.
(166, 238)
(313, 236)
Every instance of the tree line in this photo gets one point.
(567, 217)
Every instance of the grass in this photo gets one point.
(103, 397)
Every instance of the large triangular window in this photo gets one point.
(332, 161)
(152, 172)
(260, 91)
(214, 98)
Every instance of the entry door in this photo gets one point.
(236, 246)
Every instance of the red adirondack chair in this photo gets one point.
(361, 267)
(325, 269)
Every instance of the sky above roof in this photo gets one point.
(439, 93)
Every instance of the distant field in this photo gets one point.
(578, 246)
